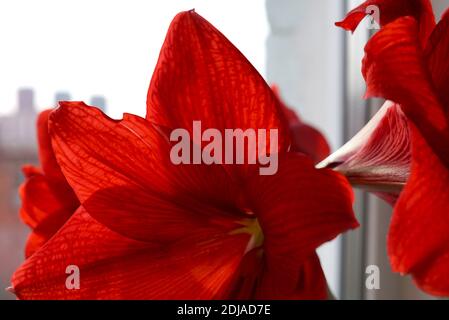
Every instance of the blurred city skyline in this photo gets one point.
(84, 48)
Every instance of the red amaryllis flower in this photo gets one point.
(304, 138)
(411, 67)
(149, 229)
(47, 199)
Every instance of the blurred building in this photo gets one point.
(99, 102)
(62, 96)
(17, 147)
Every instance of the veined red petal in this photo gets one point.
(418, 237)
(114, 267)
(96, 152)
(377, 158)
(394, 68)
(118, 167)
(390, 10)
(292, 214)
(150, 216)
(201, 76)
(437, 55)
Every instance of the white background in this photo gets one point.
(106, 47)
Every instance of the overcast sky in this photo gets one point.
(106, 47)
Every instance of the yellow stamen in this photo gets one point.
(252, 227)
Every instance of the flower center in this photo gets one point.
(252, 227)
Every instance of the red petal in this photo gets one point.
(394, 69)
(200, 75)
(47, 157)
(114, 267)
(50, 167)
(445, 14)
(34, 242)
(304, 138)
(152, 216)
(308, 140)
(51, 171)
(418, 238)
(30, 171)
(390, 10)
(118, 167)
(304, 282)
(300, 208)
(256, 280)
(47, 199)
(377, 158)
(96, 152)
(437, 54)
(37, 200)
(42, 210)
(433, 278)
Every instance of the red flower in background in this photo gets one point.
(378, 157)
(148, 229)
(304, 138)
(407, 62)
(390, 10)
(47, 199)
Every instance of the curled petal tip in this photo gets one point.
(342, 24)
(377, 158)
(11, 290)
